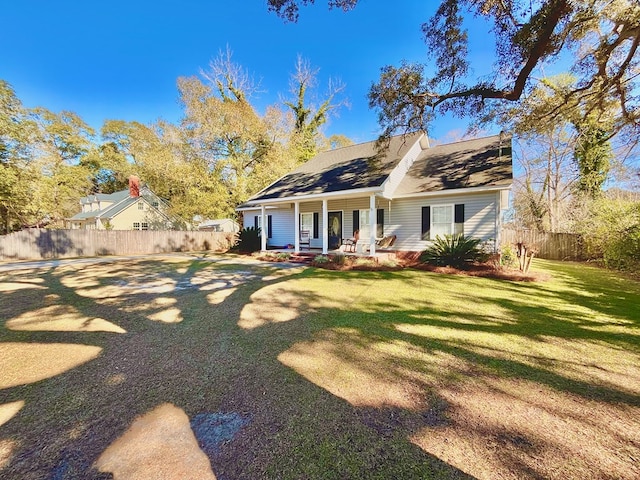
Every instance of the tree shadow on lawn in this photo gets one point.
(551, 356)
(331, 376)
(491, 342)
(203, 364)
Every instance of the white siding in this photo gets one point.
(405, 219)
(283, 220)
(311, 207)
(281, 225)
(349, 205)
(402, 217)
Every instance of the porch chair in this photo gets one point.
(386, 242)
(351, 243)
(305, 239)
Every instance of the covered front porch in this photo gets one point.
(338, 223)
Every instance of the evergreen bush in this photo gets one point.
(249, 239)
(455, 251)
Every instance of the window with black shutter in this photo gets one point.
(380, 223)
(426, 223)
(459, 218)
(316, 225)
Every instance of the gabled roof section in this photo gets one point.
(105, 197)
(348, 168)
(482, 162)
(113, 210)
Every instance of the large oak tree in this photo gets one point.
(597, 39)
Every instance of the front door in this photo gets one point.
(335, 229)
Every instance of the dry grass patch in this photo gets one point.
(23, 363)
(159, 445)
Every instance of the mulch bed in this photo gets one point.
(489, 269)
(412, 260)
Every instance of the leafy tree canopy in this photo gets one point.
(599, 40)
(289, 9)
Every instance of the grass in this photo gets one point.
(312, 373)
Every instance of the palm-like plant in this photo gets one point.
(249, 239)
(453, 251)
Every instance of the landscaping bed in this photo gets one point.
(404, 260)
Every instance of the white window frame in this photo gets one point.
(365, 224)
(140, 205)
(451, 224)
(144, 226)
(136, 225)
(306, 222)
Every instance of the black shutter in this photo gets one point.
(316, 225)
(459, 218)
(380, 223)
(426, 223)
(269, 226)
(255, 221)
(356, 220)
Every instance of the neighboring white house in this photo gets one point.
(220, 225)
(136, 208)
(410, 190)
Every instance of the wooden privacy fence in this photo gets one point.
(552, 246)
(40, 244)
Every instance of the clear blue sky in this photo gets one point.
(121, 59)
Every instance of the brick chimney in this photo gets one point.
(134, 186)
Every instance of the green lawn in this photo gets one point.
(263, 372)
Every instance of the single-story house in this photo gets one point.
(228, 225)
(135, 208)
(410, 189)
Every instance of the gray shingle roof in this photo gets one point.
(109, 197)
(466, 164)
(116, 208)
(343, 169)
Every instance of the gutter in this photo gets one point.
(359, 192)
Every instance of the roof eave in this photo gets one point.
(356, 192)
(455, 191)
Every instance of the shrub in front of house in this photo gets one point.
(508, 257)
(320, 259)
(364, 262)
(339, 259)
(455, 251)
(249, 240)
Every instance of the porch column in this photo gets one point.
(374, 225)
(296, 226)
(325, 227)
(263, 230)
